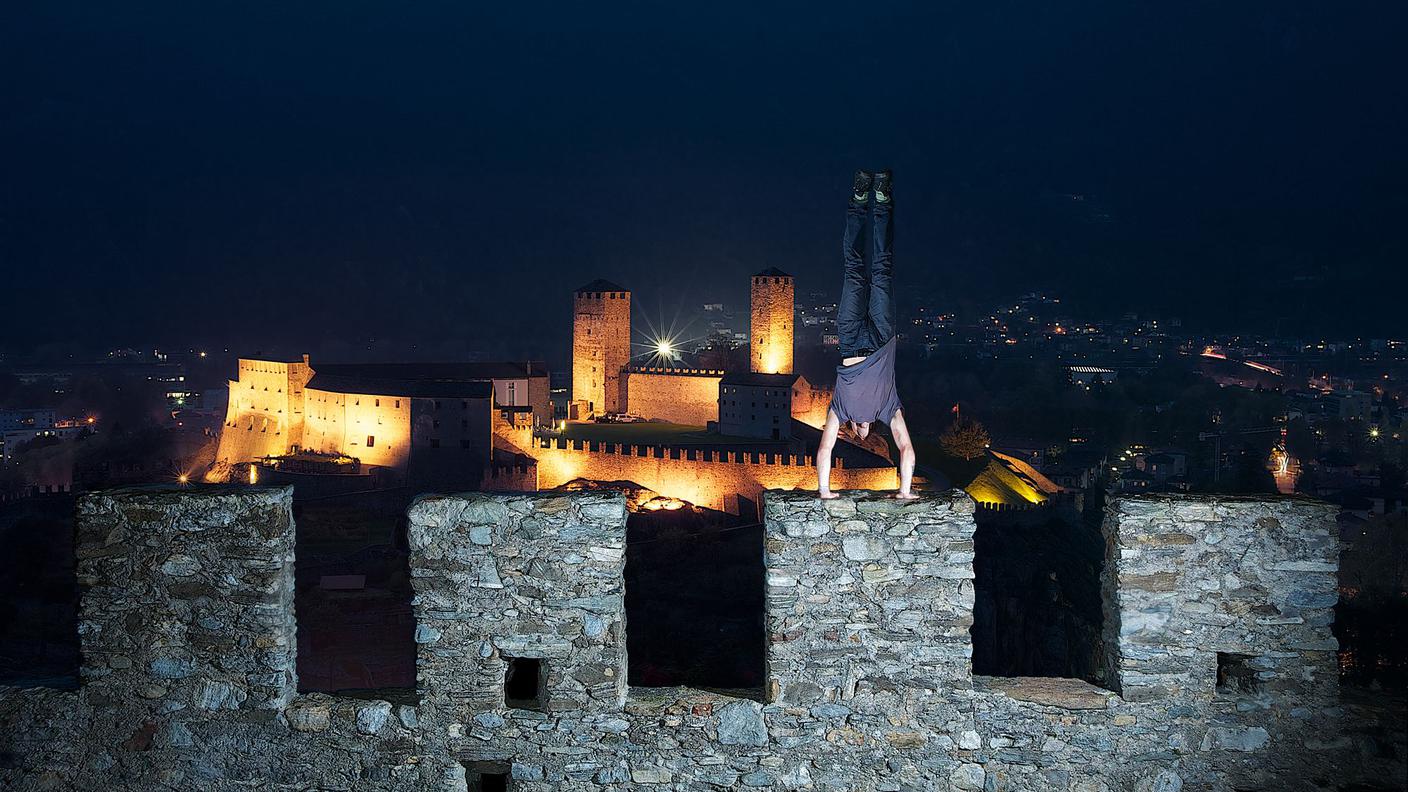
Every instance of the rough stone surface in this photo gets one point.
(741, 723)
(188, 682)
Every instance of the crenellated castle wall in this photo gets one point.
(188, 683)
(705, 476)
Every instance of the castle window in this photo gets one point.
(487, 776)
(371, 441)
(376, 402)
(398, 404)
(525, 683)
(1235, 674)
(434, 442)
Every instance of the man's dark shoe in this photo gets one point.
(882, 187)
(860, 190)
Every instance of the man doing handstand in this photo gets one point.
(865, 320)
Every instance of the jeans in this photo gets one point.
(865, 317)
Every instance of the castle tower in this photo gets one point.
(771, 325)
(601, 346)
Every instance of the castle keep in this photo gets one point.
(601, 347)
(771, 327)
(1221, 672)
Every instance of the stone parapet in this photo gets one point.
(530, 578)
(1217, 592)
(867, 591)
(186, 595)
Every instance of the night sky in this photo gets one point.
(310, 176)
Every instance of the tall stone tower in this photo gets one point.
(771, 327)
(601, 346)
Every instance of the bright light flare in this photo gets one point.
(662, 343)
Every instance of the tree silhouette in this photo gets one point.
(965, 439)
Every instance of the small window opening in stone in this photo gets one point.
(487, 776)
(1235, 674)
(525, 681)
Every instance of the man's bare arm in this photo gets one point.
(823, 455)
(906, 448)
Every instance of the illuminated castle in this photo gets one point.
(426, 422)
(714, 438)
(604, 382)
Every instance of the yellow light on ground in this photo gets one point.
(253, 475)
(664, 348)
(183, 478)
(1374, 433)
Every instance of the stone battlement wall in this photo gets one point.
(676, 372)
(188, 683)
(705, 477)
(1252, 579)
